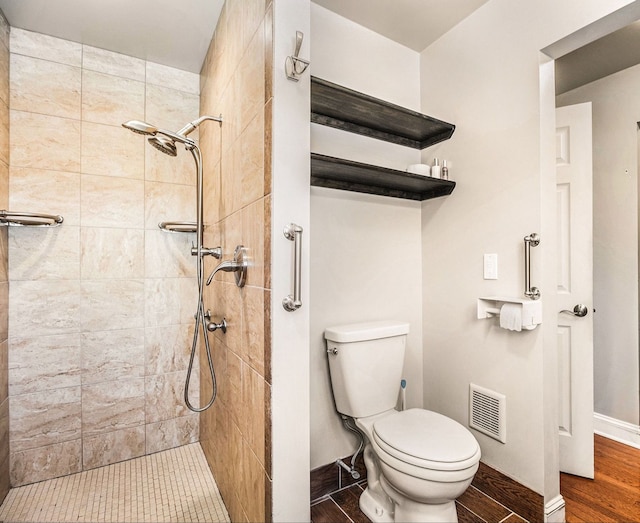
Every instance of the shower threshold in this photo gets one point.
(173, 485)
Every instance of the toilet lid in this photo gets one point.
(425, 435)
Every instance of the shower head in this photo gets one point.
(164, 145)
(140, 127)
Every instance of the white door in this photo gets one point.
(575, 288)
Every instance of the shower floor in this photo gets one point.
(173, 485)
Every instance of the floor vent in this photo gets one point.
(488, 412)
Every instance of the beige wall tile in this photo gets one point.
(4, 315)
(110, 406)
(253, 400)
(167, 349)
(168, 202)
(164, 395)
(252, 161)
(108, 62)
(173, 78)
(41, 86)
(253, 486)
(112, 447)
(109, 305)
(4, 376)
(168, 255)
(44, 418)
(58, 307)
(172, 433)
(111, 253)
(252, 14)
(4, 185)
(4, 449)
(47, 462)
(5, 137)
(44, 253)
(46, 47)
(44, 142)
(62, 190)
(4, 73)
(253, 237)
(111, 151)
(171, 109)
(162, 168)
(251, 77)
(170, 301)
(111, 202)
(253, 327)
(110, 99)
(112, 355)
(44, 363)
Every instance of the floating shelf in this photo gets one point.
(337, 173)
(342, 108)
(29, 219)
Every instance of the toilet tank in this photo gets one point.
(365, 363)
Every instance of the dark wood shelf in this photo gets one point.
(342, 108)
(337, 173)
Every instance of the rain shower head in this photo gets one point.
(140, 127)
(164, 145)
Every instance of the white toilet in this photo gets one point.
(418, 462)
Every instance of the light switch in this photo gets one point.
(490, 266)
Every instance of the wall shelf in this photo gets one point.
(336, 106)
(343, 108)
(338, 173)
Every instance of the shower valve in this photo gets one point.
(216, 252)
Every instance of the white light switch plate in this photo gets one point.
(490, 266)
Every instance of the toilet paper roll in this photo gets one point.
(511, 316)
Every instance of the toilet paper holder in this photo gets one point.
(489, 307)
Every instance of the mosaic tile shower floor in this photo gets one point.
(174, 485)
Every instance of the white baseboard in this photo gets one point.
(617, 430)
(554, 511)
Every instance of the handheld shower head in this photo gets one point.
(140, 127)
(164, 145)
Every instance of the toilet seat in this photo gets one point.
(427, 440)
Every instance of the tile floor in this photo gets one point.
(174, 485)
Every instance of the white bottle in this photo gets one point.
(445, 170)
(435, 170)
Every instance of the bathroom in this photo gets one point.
(363, 256)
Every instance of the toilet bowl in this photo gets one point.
(418, 461)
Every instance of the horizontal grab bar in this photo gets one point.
(29, 219)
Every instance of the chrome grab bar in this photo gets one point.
(29, 219)
(293, 233)
(178, 226)
(533, 240)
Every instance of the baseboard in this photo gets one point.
(554, 511)
(620, 431)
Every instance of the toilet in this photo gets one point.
(418, 462)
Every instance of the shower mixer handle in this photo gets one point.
(238, 265)
(212, 326)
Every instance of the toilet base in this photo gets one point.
(378, 509)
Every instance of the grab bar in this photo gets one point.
(178, 226)
(533, 240)
(29, 219)
(293, 233)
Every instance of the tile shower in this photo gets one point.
(100, 309)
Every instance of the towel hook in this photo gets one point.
(533, 240)
(294, 66)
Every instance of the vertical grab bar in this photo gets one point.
(293, 233)
(533, 240)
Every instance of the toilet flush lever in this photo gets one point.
(332, 350)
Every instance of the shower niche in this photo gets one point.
(342, 108)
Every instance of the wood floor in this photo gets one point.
(614, 495)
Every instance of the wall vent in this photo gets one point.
(488, 412)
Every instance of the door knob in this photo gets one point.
(579, 310)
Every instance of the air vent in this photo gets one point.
(488, 412)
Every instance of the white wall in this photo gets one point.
(365, 250)
(616, 111)
(484, 76)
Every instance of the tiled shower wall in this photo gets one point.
(100, 308)
(4, 251)
(236, 81)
